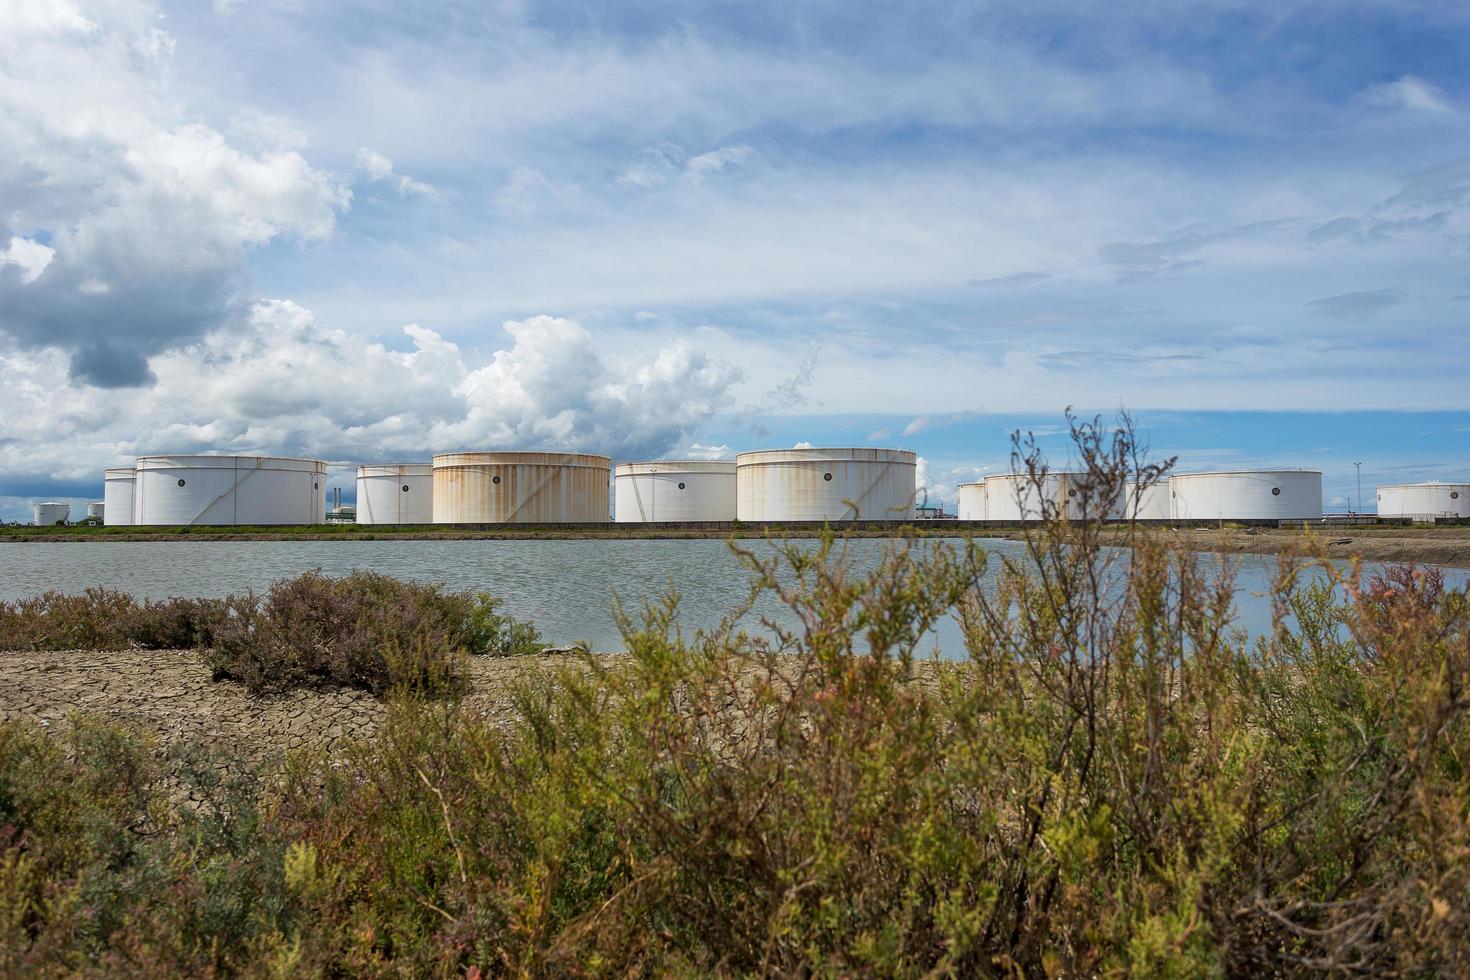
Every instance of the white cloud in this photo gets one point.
(708, 164)
(31, 257)
(1411, 94)
(40, 17)
(280, 381)
(378, 167)
(803, 445)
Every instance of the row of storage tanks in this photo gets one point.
(763, 486)
(520, 488)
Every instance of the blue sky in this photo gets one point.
(372, 231)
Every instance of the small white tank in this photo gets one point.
(826, 485)
(973, 505)
(117, 495)
(224, 490)
(674, 490)
(1014, 497)
(401, 493)
(1430, 499)
(95, 510)
(521, 488)
(1150, 502)
(1247, 495)
(51, 512)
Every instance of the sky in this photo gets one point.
(372, 231)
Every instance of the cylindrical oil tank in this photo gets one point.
(973, 503)
(1148, 501)
(225, 490)
(1431, 499)
(395, 493)
(117, 495)
(96, 510)
(1017, 497)
(826, 485)
(674, 490)
(521, 488)
(51, 512)
(1247, 495)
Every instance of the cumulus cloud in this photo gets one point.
(379, 168)
(280, 381)
(147, 213)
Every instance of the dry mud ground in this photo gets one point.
(1424, 546)
(169, 694)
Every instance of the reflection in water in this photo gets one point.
(566, 587)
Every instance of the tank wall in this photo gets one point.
(772, 488)
(1247, 496)
(973, 503)
(117, 498)
(97, 510)
(1014, 497)
(48, 514)
(493, 492)
(674, 495)
(395, 494)
(1429, 500)
(248, 492)
(1151, 503)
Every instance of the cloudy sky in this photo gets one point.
(372, 231)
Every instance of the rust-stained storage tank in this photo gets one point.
(395, 493)
(674, 490)
(825, 485)
(521, 488)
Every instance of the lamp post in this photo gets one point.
(1359, 468)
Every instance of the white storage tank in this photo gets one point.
(395, 493)
(1015, 497)
(826, 485)
(223, 490)
(95, 510)
(117, 495)
(1247, 495)
(51, 512)
(1149, 502)
(1430, 499)
(973, 503)
(674, 490)
(521, 488)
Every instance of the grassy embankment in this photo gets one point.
(1113, 781)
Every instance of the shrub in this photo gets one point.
(364, 630)
(107, 619)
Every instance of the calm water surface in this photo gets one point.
(566, 587)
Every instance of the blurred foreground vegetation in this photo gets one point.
(1112, 781)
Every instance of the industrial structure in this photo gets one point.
(395, 493)
(1426, 500)
(521, 488)
(95, 510)
(1019, 497)
(229, 490)
(1247, 495)
(1148, 502)
(117, 495)
(825, 485)
(50, 512)
(674, 490)
(973, 503)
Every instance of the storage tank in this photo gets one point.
(223, 490)
(395, 493)
(1430, 499)
(674, 490)
(1015, 497)
(521, 488)
(1151, 502)
(1247, 495)
(117, 495)
(51, 512)
(95, 510)
(973, 504)
(825, 485)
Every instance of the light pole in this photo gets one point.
(1359, 468)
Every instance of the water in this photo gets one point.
(565, 587)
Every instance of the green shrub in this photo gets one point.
(363, 630)
(107, 619)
